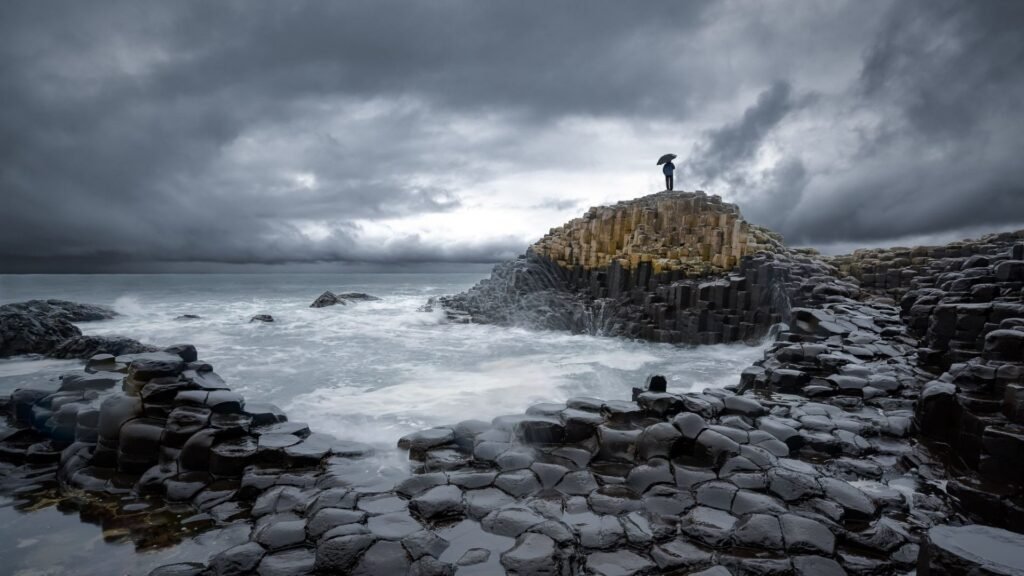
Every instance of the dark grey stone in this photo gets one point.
(418, 443)
(383, 557)
(327, 518)
(338, 555)
(532, 554)
(424, 543)
(438, 502)
(744, 406)
(618, 563)
(280, 534)
(806, 535)
(518, 483)
(759, 531)
(393, 526)
(614, 499)
(680, 555)
(601, 532)
(237, 561)
(659, 440)
(710, 526)
(816, 566)
(481, 502)
(511, 521)
(656, 471)
(971, 549)
(287, 563)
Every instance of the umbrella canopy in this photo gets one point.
(666, 158)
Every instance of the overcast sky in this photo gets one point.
(220, 135)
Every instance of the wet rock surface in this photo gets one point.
(329, 298)
(846, 450)
(674, 267)
(326, 299)
(971, 550)
(358, 296)
(26, 333)
(85, 347)
(60, 309)
(47, 327)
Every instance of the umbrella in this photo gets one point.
(666, 158)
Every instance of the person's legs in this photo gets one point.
(668, 182)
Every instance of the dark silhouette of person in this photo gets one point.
(669, 169)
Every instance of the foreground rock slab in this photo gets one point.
(972, 549)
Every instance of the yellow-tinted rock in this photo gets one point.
(688, 231)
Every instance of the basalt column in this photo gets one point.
(693, 234)
(671, 267)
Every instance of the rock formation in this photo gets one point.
(87, 346)
(874, 437)
(329, 298)
(62, 309)
(326, 299)
(24, 333)
(358, 296)
(46, 327)
(671, 267)
(969, 314)
(893, 270)
(809, 465)
(691, 233)
(971, 550)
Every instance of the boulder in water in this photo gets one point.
(329, 298)
(63, 309)
(357, 296)
(326, 299)
(88, 346)
(188, 317)
(24, 333)
(40, 326)
(262, 318)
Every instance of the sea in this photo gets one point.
(369, 371)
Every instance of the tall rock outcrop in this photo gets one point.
(693, 233)
(680, 267)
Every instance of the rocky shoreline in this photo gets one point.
(46, 327)
(880, 434)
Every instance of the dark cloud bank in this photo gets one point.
(142, 135)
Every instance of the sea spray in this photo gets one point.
(129, 305)
(377, 370)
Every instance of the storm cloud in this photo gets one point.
(736, 144)
(141, 133)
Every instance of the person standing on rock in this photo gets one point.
(668, 170)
